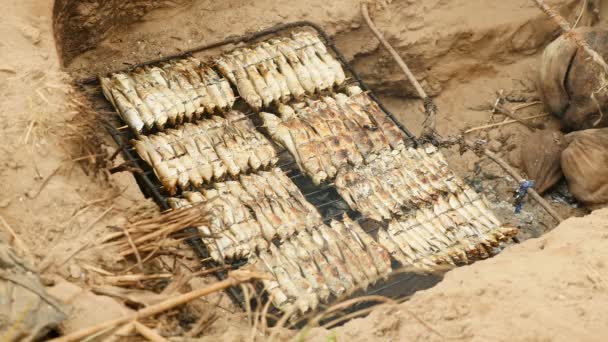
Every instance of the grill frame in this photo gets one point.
(150, 186)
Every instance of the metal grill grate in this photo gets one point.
(324, 197)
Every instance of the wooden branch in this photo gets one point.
(507, 122)
(234, 278)
(148, 333)
(519, 178)
(433, 134)
(506, 111)
(121, 333)
(429, 107)
(19, 244)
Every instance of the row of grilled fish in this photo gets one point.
(443, 235)
(197, 153)
(245, 215)
(172, 93)
(315, 265)
(433, 216)
(327, 134)
(280, 69)
(399, 181)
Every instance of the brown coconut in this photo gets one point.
(568, 77)
(585, 165)
(540, 157)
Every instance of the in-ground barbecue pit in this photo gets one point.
(408, 203)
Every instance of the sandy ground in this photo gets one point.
(546, 289)
(549, 288)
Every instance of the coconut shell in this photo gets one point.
(540, 158)
(585, 165)
(568, 76)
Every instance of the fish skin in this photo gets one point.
(106, 89)
(284, 69)
(279, 298)
(128, 112)
(153, 99)
(248, 61)
(185, 96)
(367, 264)
(244, 85)
(191, 68)
(325, 72)
(213, 86)
(183, 78)
(342, 251)
(284, 280)
(303, 74)
(324, 256)
(306, 291)
(124, 84)
(312, 68)
(265, 69)
(279, 79)
(393, 249)
(379, 255)
(315, 41)
(308, 268)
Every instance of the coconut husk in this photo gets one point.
(585, 165)
(541, 158)
(568, 78)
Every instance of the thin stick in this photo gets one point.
(148, 333)
(430, 109)
(234, 278)
(201, 324)
(506, 122)
(97, 270)
(137, 256)
(46, 181)
(132, 278)
(121, 333)
(503, 110)
(526, 105)
(470, 145)
(149, 256)
(94, 222)
(18, 242)
(580, 15)
(247, 298)
(519, 178)
(264, 317)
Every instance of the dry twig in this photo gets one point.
(135, 251)
(134, 278)
(19, 244)
(121, 333)
(148, 333)
(506, 122)
(506, 111)
(429, 107)
(234, 278)
(519, 178)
